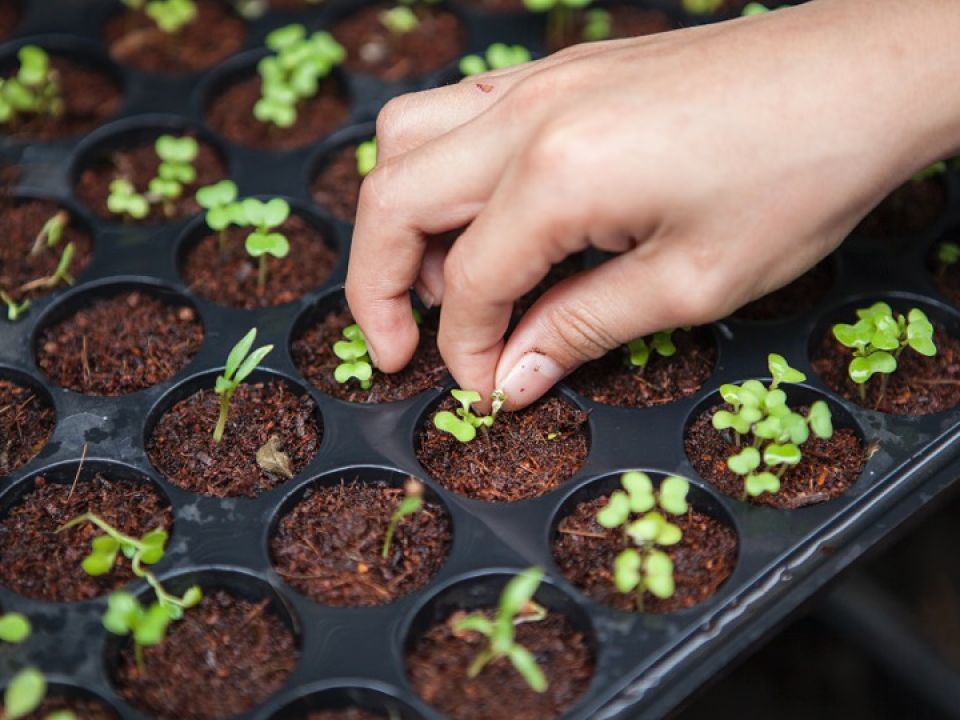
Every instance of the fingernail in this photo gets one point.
(425, 296)
(531, 377)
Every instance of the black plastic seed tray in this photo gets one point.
(645, 664)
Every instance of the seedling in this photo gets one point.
(293, 72)
(15, 310)
(756, 8)
(176, 170)
(412, 502)
(597, 26)
(642, 567)
(356, 365)
(27, 689)
(125, 200)
(220, 202)
(241, 363)
(561, 19)
(14, 628)
(366, 157)
(938, 168)
(35, 90)
(948, 253)
(776, 432)
(51, 233)
(264, 242)
(879, 337)
(639, 350)
(169, 15)
(702, 7)
(498, 56)
(516, 606)
(60, 275)
(402, 19)
(463, 424)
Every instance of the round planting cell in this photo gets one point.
(117, 339)
(829, 467)
(334, 178)
(793, 299)
(347, 703)
(585, 551)
(522, 455)
(438, 656)
(33, 512)
(920, 385)
(27, 419)
(129, 151)
(225, 656)
(217, 266)
(910, 210)
(273, 431)
(321, 327)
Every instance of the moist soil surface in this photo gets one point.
(225, 656)
(611, 380)
(214, 35)
(947, 280)
(702, 561)
(437, 668)
(120, 344)
(829, 467)
(313, 355)
(920, 386)
(329, 546)
(183, 449)
(625, 22)
(19, 267)
(231, 114)
(9, 17)
(793, 299)
(90, 98)
(133, 508)
(139, 165)
(514, 459)
(373, 49)
(337, 186)
(909, 210)
(84, 709)
(230, 276)
(26, 423)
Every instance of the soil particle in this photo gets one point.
(26, 423)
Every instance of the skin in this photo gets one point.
(717, 162)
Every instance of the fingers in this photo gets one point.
(429, 285)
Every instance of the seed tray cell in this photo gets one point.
(645, 664)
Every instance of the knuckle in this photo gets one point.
(581, 333)
(557, 152)
(375, 191)
(391, 124)
(461, 276)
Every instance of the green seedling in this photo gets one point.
(220, 202)
(14, 628)
(498, 56)
(948, 254)
(293, 72)
(761, 415)
(34, 90)
(756, 8)
(60, 275)
(125, 200)
(562, 17)
(170, 16)
(366, 154)
(640, 350)
(264, 241)
(175, 170)
(516, 606)
(463, 424)
(702, 7)
(641, 511)
(597, 26)
(356, 365)
(27, 689)
(15, 310)
(51, 233)
(879, 337)
(402, 19)
(411, 503)
(241, 362)
(928, 173)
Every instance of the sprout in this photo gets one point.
(948, 253)
(241, 363)
(293, 72)
(400, 20)
(220, 202)
(702, 7)
(14, 628)
(366, 157)
(263, 242)
(15, 310)
(125, 200)
(169, 15)
(35, 90)
(879, 337)
(498, 56)
(412, 502)
(641, 567)
(639, 350)
(51, 233)
(27, 689)
(60, 275)
(938, 168)
(762, 412)
(516, 606)
(598, 26)
(463, 425)
(561, 18)
(352, 350)
(175, 170)
(756, 8)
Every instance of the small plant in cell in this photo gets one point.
(241, 362)
(464, 423)
(410, 503)
(498, 56)
(171, 16)
(33, 91)
(220, 202)
(640, 350)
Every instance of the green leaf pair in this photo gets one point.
(125, 200)
(463, 424)
(356, 363)
(652, 572)
(497, 56)
(220, 202)
(148, 625)
(640, 349)
(638, 496)
(171, 16)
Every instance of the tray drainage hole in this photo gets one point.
(438, 655)
(226, 655)
(217, 266)
(585, 551)
(118, 340)
(828, 468)
(328, 544)
(322, 327)
(81, 702)
(267, 413)
(27, 419)
(347, 703)
(40, 563)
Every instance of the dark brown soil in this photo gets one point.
(139, 165)
(230, 277)
(353, 713)
(119, 345)
(22, 220)
(828, 469)
(337, 187)
(495, 5)
(920, 386)
(26, 423)
(82, 708)
(329, 545)
(612, 381)
(373, 49)
(225, 656)
(90, 99)
(231, 114)
(182, 446)
(909, 210)
(214, 35)
(947, 280)
(793, 299)
(513, 460)
(625, 22)
(561, 271)
(702, 561)
(133, 508)
(313, 355)
(9, 17)
(437, 670)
